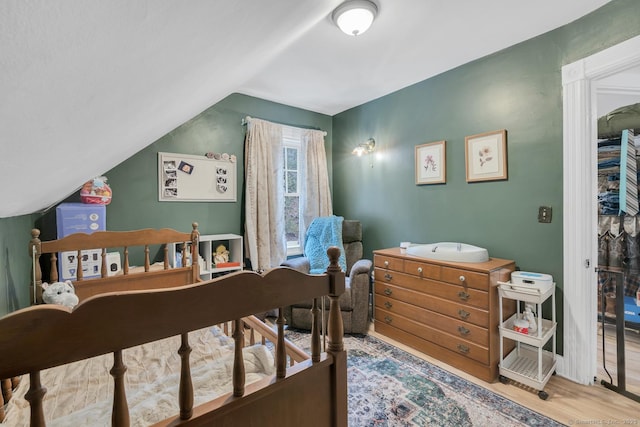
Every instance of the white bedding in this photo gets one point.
(81, 393)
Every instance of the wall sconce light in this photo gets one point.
(354, 17)
(365, 148)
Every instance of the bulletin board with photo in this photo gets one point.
(191, 178)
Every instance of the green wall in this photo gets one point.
(15, 263)
(518, 89)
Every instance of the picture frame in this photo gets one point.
(486, 156)
(185, 167)
(431, 163)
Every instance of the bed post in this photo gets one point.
(238, 360)
(281, 355)
(35, 249)
(186, 383)
(34, 396)
(120, 411)
(195, 266)
(315, 331)
(336, 345)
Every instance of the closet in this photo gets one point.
(619, 249)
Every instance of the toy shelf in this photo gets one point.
(207, 246)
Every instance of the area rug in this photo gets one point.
(390, 387)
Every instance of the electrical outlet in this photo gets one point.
(544, 214)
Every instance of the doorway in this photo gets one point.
(580, 81)
(618, 324)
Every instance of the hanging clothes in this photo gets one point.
(628, 174)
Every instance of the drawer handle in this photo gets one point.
(463, 295)
(463, 348)
(387, 291)
(462, 278)
(388, 319)
(388, 304)
(388, 277)
(463, 330)
(386, 263)
(420, 270)
(463, 314)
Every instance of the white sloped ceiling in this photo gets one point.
(84, 84)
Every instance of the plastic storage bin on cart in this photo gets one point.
(528, 363)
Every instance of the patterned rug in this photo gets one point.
(390, 387)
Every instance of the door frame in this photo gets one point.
(579, 222)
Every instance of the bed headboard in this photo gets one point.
(122, 241)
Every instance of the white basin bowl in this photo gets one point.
(449, 251)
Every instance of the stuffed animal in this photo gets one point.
(62, 293)
(221, 255)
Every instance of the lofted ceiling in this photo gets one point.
(85, 84)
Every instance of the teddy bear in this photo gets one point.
(62, 293)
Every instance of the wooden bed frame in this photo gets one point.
(122, 241)
(310, 391)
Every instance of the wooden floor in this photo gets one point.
(569, 403)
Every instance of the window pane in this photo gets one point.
(292, 182)
(292, 158)
(291, 221)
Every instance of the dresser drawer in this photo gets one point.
(452, 309)
(388, 263)
(422, 269)
(443, 339)
(468, 278)
(386, 276)
(456, 327)
(455, 293)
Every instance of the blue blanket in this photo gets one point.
(324, 232)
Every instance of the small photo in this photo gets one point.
(170, 192)
(172, 182)
(222, 188)
(222, 180)
(221, 171)
(170, 165)
(170, 174)
(185, 167)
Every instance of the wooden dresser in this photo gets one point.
(444, 309)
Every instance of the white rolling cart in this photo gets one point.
(528, 363)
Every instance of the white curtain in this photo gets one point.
(315, 193)
(264, 196)
(264, 207)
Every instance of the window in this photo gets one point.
(291, 139)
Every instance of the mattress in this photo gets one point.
(81, 393)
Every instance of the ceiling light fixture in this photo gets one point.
(354, 17)
(366, 147)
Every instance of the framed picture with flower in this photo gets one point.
(431, 163)
(486, 156)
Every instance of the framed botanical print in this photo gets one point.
(486, 156)
(431, 163)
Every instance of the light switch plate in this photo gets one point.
(544, 214)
